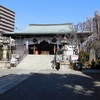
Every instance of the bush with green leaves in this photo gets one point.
(83, 56)
(1, 54)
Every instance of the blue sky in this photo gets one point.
(51, 11)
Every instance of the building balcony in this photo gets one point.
(6, 28)
(9, 15)
(2, 16)
(8, 25)
(8, 11)
(8, 22)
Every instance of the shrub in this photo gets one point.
(83, 56)
(1, 54)
(97, 64)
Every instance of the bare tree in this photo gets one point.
(89, 24)
(96, 22)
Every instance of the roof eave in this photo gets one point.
(29, 33)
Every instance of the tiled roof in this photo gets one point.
(48, 29)
(35, 29)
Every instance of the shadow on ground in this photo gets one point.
(55, 86)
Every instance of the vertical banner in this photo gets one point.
(57, 46)
(26, 45)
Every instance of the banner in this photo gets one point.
(57, 46)
(26, 45)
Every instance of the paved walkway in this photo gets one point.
(49, 85)
(11, 77)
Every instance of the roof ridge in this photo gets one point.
(49, 24)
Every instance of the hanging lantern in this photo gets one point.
(54, 40)
(35, 40)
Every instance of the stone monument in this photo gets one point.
(92, 55)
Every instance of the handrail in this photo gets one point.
(22, 57)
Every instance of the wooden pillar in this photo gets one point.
(33, 49)
(54, 49)
(24, 48)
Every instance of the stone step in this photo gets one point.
(36, 62)
(65, 67)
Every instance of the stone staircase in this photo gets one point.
(36, 62)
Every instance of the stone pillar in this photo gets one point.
(92, 55)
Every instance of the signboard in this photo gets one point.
(74, 57)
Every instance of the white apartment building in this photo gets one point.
(7, 19)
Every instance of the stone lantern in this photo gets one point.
(66, 63)
(64, 43)
(5, 48)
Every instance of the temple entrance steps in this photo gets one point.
(36, 62)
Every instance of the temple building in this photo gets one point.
(40, 40)
(46, 39)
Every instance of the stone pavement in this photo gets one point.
(11, 77)
(49, 85)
